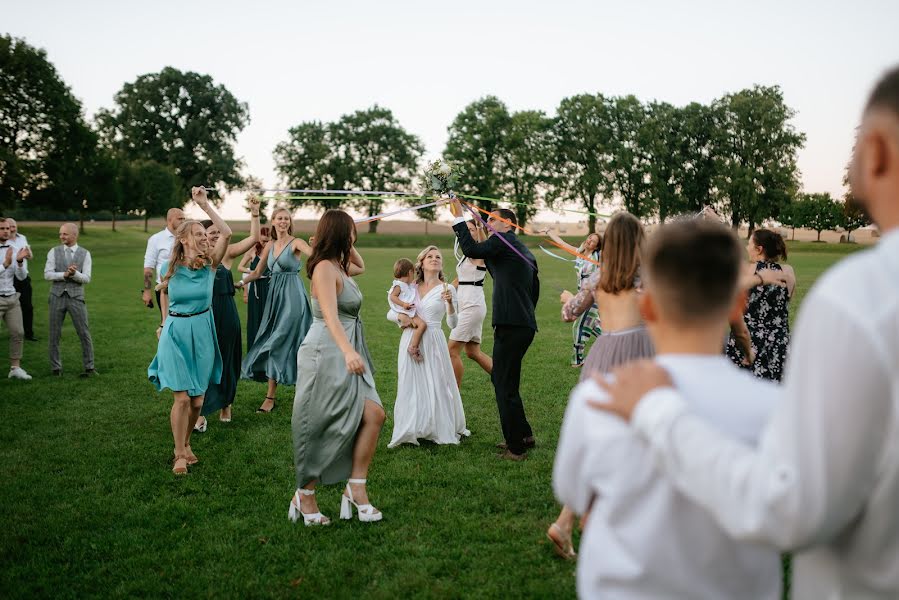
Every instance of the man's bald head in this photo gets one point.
(174, 218)
(13, 227)
(874, 171)
(68, 234)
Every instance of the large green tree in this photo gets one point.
(584, 152)
(306, 161)
(631, 160)
(372, 151)
(44, 141)
(755, 150)
(854, 215)
(695, 160)
(180, 119)
(476, 144)
(662, 143)
(526, 161)
(820, 212)
(150, 188)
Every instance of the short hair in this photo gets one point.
(507, 214)
(773, 246)
(402, 267)
(692, 268)
(207, 223)
(620, 256)
(886, 93)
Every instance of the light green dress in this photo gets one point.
(328, 405)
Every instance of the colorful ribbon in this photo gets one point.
(496, 233)
(395, 212)
(554, 255)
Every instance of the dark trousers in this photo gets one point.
(159, 302)
(510, 344)
(24, 289)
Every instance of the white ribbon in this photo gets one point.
(395, 212)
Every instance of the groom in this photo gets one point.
(515, 292)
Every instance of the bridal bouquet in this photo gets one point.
(439, 178)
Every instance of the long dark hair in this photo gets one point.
(334, 238)
(771, 243)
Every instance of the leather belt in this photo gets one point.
(175, 314)
(477, 283)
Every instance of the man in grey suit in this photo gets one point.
(68, 269)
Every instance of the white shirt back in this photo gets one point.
(644, 539)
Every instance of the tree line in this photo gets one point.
(170, 130)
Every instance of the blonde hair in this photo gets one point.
(419, 271)
(177, 256)
(274, 232)
(621, 248)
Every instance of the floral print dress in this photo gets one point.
(768, 320)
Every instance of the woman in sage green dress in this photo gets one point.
(220, 396)
(337, 414)
(187, 358)
(255, 293)
(286, 317)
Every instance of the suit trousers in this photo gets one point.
(59, 306)
(24, 289)
(11, 314)
(510, 343)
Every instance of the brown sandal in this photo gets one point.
(180, 470)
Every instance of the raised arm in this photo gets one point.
(357, 265)
(260, 268)
(300, 245)
(325, 281)
(244, 265)
(245, 244)
(467, 244)
(198, 194)
(555, 237)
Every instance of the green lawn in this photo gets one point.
(90, 506)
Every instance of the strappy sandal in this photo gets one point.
(180, 469)
(561, 542)
(310, 519)
(262, 410)
(366, 512)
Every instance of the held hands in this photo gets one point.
(354, 364)
(631, 382)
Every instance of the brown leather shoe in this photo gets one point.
(529, 442)
(509, 455)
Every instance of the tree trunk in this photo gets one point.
(373, 226)
(146, 220)
(113, 220)
(81, 221)
(819, 235)
(591, 218)
(794, 234)
(751, 228)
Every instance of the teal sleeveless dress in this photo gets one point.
(227, 330)
(285, 321)
(256, 295)
(187, 357)
(328, 405)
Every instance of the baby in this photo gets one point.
(401, 299)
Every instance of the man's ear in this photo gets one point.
(647, 305)
(738, 307)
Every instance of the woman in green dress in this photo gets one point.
(286, 318)
(337, 414)
(255, 293)
(220, 396)
(187, 359)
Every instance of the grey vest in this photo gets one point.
(68, 286)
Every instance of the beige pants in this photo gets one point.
(11, 314)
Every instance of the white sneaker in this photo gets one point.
(19, 373)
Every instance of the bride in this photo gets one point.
(428, 405)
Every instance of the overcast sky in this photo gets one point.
(299, 61)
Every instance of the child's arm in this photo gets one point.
(395, 298)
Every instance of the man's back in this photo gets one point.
(644, 539)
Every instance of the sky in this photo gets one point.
(302, 60)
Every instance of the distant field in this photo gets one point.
(90, 506)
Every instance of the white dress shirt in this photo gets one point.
(82, 276)
(15, 269)
(159, 247)
(19, 242)
(824, 480)
(643, 538)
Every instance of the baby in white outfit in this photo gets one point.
(401, 299)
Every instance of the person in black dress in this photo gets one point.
(256, 292)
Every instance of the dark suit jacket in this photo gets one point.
(516, 287)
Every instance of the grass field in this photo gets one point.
(90, 506)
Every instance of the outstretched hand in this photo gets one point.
(628, 386)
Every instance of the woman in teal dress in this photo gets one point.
(255, 293)
(286, 317)
(337, 414)
(220, 396)
(187, 359)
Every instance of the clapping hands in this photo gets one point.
(70, 271)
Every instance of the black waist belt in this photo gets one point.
(477, 283)
(175, 314)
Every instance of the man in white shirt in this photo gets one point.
(159, 246)
(12, 267)
(19, 241)
(824, 481)
(643, 538)
(68, 270)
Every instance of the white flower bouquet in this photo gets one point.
(439, 178)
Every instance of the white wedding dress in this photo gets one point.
(428, 405)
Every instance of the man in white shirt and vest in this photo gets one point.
(68, 270)
(12, 267)
(159, 246)
(19, 241)
(824, 480)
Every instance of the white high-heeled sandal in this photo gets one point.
(366, 512)
(294, 512)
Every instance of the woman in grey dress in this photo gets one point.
(337, 414)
